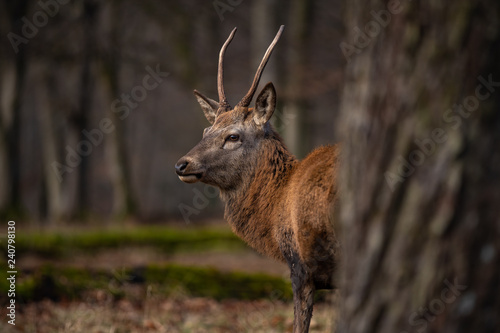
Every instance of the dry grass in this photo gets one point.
(101, 314)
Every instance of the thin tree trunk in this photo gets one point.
(420, 184)
(123, 202)
(48, 142)
(294, 111)
(4, 168)
(85, 102)
(16, 9)
(6, 98)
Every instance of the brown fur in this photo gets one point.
(285, 195)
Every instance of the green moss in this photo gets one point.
(57, 244)
(209, 282)
(56, 283)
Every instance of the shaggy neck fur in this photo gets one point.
(254, 209)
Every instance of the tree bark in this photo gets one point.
(420, 183)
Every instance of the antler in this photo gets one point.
(223, 104)
(245, 101)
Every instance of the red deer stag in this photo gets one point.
(280, 206)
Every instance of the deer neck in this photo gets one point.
(254, 209)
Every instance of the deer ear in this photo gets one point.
(208, 105)
(265, 104)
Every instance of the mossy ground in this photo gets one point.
(60, 243)
(70, 284)
(58, 295)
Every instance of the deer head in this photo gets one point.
(232, 142)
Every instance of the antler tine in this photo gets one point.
(223, 104)
(245, 101)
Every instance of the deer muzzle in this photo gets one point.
(186, 172)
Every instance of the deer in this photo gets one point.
(280, 206)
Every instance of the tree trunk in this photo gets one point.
(123, 201)
(296, 107)
(90, 9)
(6, 97)
(12, 130)
(49, 136)
(420, 181)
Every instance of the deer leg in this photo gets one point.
(303, 293)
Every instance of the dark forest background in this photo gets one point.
(67, 67)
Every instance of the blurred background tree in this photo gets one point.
(64, 67)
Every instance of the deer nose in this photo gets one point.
(181, 166)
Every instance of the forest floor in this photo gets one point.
(145, 307)
(195, 314)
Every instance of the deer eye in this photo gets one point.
(233, 137)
